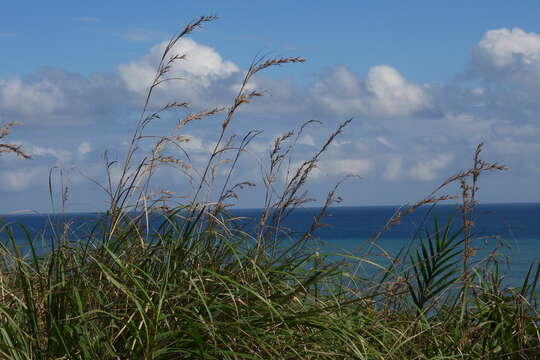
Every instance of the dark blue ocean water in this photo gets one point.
(516, 226)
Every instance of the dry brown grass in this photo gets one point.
(5, 130)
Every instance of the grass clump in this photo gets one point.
(200, 285)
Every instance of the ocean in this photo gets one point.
(513, 227)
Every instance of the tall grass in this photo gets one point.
(200, 286)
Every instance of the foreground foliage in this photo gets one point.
(206, 295)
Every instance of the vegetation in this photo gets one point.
(200, 286)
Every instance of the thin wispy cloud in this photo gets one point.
(86, 19)
(142, 35)
(4, 34)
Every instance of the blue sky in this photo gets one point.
(425, 81)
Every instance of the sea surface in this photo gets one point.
(513, 228)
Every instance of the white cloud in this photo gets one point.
(201, 66)
(22, 178)
(352, 166)
(84, 148)
(460, 118)
(428, 169)
(362, 145)
(307, 140)
(115, 173)
(511, 56)
(477, 91)
(503, 48)
(341, 167)
(260, 148)
(60, 155)
(521, 156)
(477, 129)
(383, 93)
(193, 143)
(384, 141)
(518, 130)
(512, 146)
(29, 98)
(393, 168)
(339, 143)
(393, 95)
(52, 96)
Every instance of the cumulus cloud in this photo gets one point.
(31, 97)
(384, 92)
(202, 66)
(428, 169)
(512, 56)
(506, 49)
(52, 96)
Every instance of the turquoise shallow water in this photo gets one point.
(349, 229)
(515, 257)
